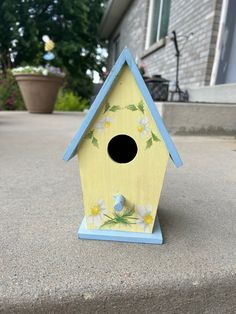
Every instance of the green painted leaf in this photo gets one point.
(90, 134)
(108, 223)
(114, 108)
(155, 138)
(95, 142)
(120, 218)
(149, 143)
(107, 107)
(132, 107)
(108, 216)
(141, 106)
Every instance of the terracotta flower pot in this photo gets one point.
(39, 92)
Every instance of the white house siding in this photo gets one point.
(186, 16)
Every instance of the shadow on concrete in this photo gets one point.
(173, 224)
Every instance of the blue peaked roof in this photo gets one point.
(125, 56)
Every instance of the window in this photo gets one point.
(116, 48)
(158, 21)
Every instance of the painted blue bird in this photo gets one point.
(119, 202)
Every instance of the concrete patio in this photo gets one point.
(45, 269)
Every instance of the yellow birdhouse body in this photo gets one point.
(123, 150)
(138, 180)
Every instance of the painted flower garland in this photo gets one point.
(143, 126)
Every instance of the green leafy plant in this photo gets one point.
(10, 96)
(125, 218)
(68, 101)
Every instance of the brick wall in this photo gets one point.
(131, 29)
(199, 17)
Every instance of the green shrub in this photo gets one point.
(10, 96)
(67, 101)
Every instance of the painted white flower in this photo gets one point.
(104, 123)
(96, 213)
(143, 127)
(145, 218)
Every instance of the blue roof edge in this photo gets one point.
(71, 149)
(125, 56)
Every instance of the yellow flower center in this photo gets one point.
(140, 128)
(107, 124)
(95, 210)
(148, 219)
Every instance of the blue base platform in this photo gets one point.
(121, 236)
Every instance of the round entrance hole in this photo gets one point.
(122, 148)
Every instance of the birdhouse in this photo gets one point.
(123, 148)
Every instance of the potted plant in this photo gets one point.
(39, 86)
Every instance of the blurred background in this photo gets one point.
(79, 52)
(185, 50)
